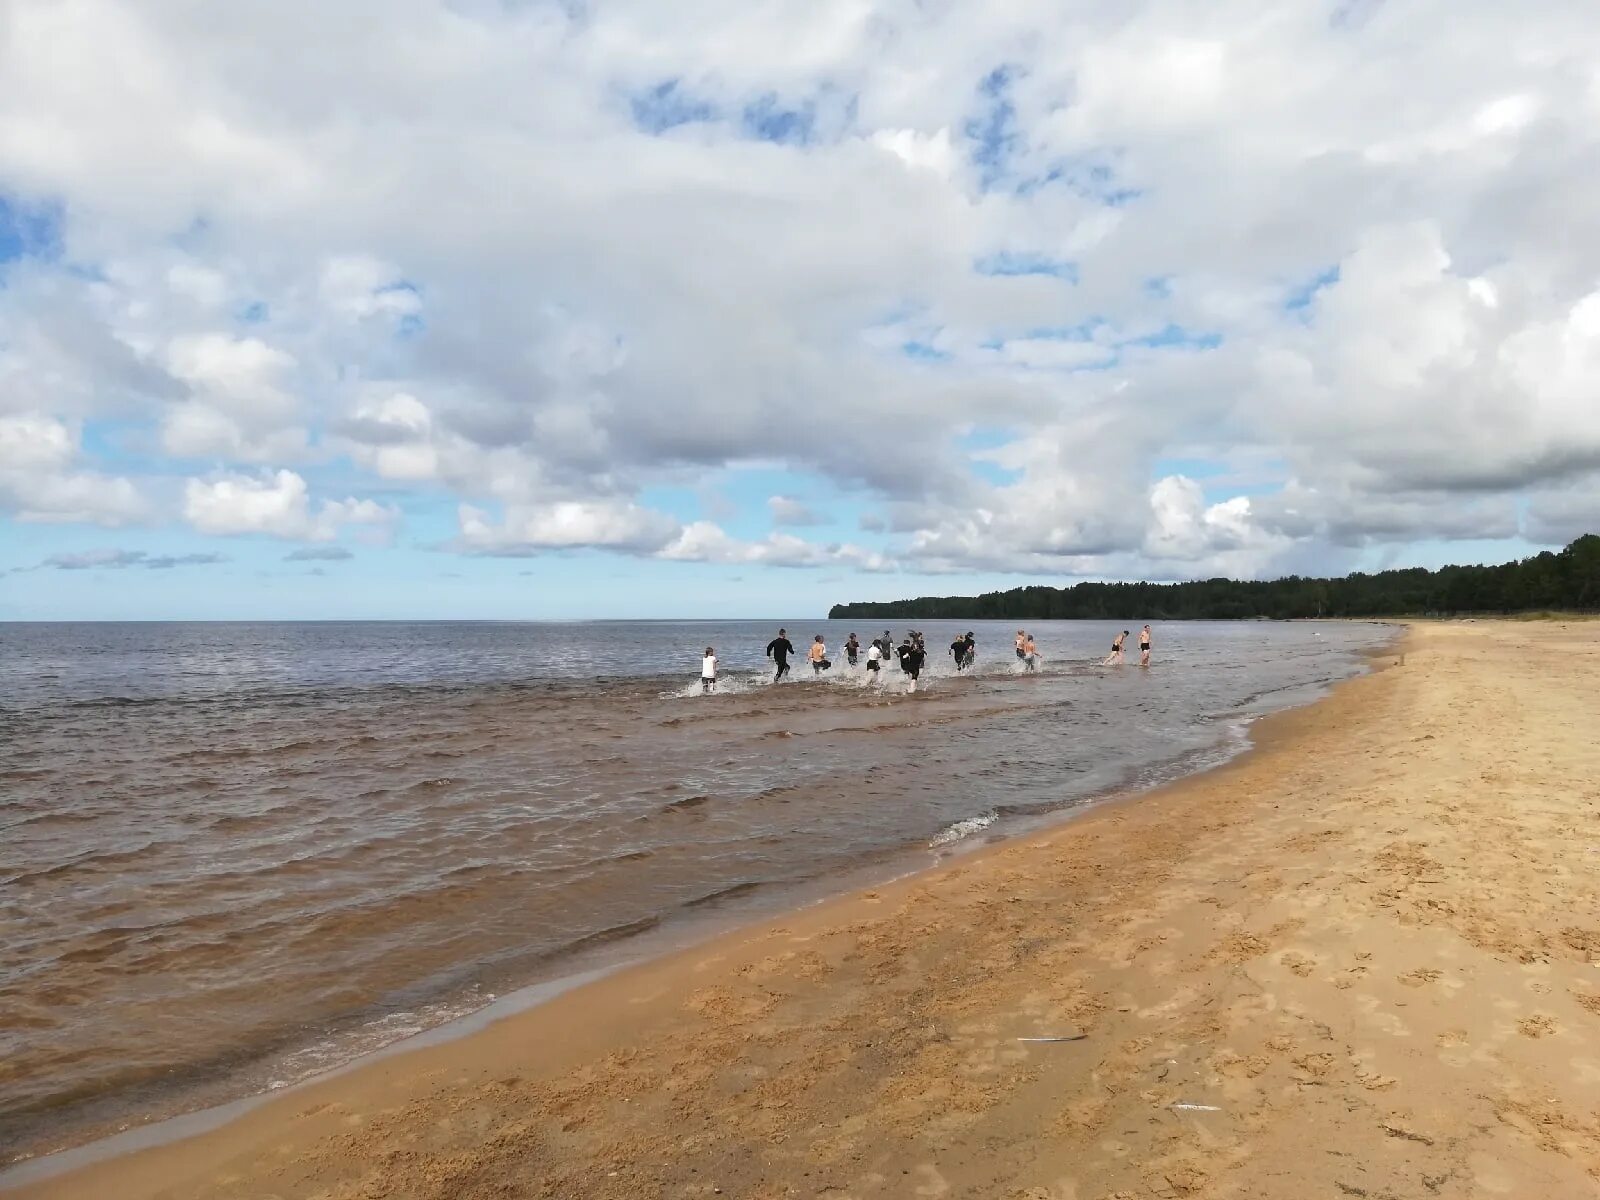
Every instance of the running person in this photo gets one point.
(852, 648)
(1144, 646)
(958, 651)
(971, 653)
(1116, 649)
(818, 655)
(1019, 640)
(1030, 653)
(874, 655)
(911, 658)
(778, 650)
(708, 672)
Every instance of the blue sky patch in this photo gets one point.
(1302, 296)
(28, 231)
(770, 121)
(1171, 336)
(923, 352)
(1009, 262)
(994, 132)
(668, 105)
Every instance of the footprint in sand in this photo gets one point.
(1298, 963)
(1536, 1026)
(1421, 977)
(1347, 979)
(1315, 1066)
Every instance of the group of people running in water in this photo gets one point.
(911, 654)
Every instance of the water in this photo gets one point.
(232, 855)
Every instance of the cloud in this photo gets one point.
(112, 559)
(565, 525)
(788, 511)
(276, 504)
(829, 239)
(41, 478)
(703, 541)
(318, 554)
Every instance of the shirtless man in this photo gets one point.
(1020, 639)
(1115, 657)
(1144, 646)
(1030, 653)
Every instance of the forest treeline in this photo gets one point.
(1568, 580)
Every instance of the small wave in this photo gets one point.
(687, 802)
(961, 829)
(722, 894)
(601, 937)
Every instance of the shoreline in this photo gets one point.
(678, 932)
(816, 902)
(1371, 938)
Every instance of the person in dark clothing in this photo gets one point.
(778, 650)
(911, 659)
(958, 651)
(886, 645)
(971, 643)
(852, 649)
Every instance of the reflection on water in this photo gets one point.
(234, 853)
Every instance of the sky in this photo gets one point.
(614, 308)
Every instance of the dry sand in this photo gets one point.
(1370, 950)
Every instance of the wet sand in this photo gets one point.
(1368, 953)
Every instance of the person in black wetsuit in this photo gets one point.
(778, 650)
(911, 658)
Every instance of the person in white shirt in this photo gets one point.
(874, 661)
(708, 671)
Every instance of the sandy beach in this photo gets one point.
(1363, 960)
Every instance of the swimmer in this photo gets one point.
(911, 657)
(852, 648)
(818, 655)
(778, 650)
(708, 672)
(874, 655)
(1144, 646)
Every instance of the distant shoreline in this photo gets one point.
(1568, 580)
